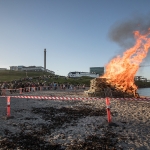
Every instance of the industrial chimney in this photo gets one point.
(44, 59)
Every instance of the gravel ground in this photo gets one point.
(74, 124)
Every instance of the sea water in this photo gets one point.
(144, 91)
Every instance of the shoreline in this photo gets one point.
(68, 125)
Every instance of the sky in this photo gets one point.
(77, 34)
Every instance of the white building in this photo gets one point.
(33, 68)
(3, 68)
(15, 68)
(20, 68)
(30, 68)
(77, 74)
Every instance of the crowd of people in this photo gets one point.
(36, 83)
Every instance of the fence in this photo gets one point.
(23, 102)
(14, 105)
(5, 92)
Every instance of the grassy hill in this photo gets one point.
(9, 75)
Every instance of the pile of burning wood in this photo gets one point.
(118, 79)
(102, 87)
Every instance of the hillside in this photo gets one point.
(9, 75)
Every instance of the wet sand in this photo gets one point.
(74, 124)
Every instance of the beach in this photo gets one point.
(74, 124)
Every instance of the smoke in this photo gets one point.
(122, 32)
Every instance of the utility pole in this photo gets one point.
(44, 59)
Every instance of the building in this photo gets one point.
(30, 68)
(140, 78)
(94, 73)
(20, 68)
(77, 74)
(97, 70)
(15, 68)
(3, 69)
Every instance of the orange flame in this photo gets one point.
(121, 70)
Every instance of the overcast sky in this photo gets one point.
(77, 34)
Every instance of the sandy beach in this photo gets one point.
(74, 124)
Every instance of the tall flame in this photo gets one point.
(122, 69)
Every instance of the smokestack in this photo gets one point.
(44, 59)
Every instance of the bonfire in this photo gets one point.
(120, 71)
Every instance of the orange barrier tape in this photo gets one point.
(74, 98)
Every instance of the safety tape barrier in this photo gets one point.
(140, 99)
(68, 98)
(37, 88)
(56, 97)
(32, 89)
(74, 98)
